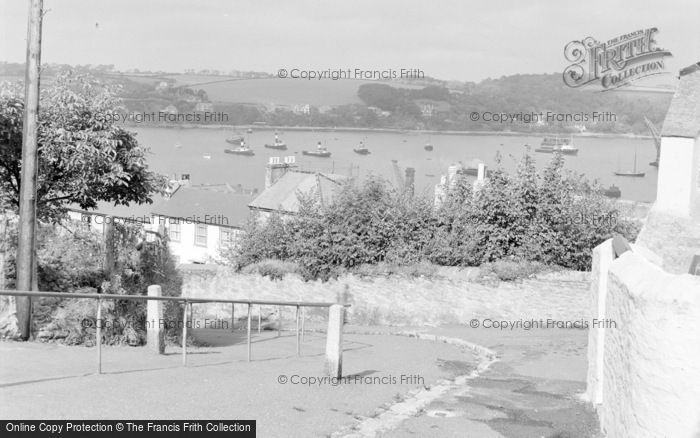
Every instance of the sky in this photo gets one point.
(446, 39)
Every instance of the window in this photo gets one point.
(227, 236)
(174, 232)
(200, 235)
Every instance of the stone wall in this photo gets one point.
(647, 382)
(451, 298)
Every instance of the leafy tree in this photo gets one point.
(84, 157)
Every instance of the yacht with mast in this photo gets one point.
(631, 173)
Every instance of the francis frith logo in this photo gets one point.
(616, 62)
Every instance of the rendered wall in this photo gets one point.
(651, 363)
(677, 173)
(399, 301)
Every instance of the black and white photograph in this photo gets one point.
(333, 219)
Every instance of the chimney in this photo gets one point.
(481, 173)
(410, 180)
(277, 168)
(480, 178)
(452, 175)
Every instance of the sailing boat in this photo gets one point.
(632, 173)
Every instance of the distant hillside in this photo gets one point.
(256, 97)
(471, 105)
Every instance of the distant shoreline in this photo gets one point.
(383, 130)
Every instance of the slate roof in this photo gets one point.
(283, 195)
(683, 116)
(205, 203)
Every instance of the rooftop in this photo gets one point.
(284, 194)
(216, 204)
(683, 116)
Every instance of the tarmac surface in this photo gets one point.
(396, 386)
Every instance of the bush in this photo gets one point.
(70, 260)
(553, 218)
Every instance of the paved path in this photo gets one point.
(532, 390)
(51, 381)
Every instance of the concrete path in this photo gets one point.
(532, 390)
(39, 381)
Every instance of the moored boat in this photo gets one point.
(320, 151)
(361, 149)
(563, 145)
(631, 173)
(235, 140)
(278, 144)
(612, 192)
(240, 151)
(322, 154)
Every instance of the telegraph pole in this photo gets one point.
(27, 202)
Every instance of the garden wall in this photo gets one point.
(452, 298)
(647, 381)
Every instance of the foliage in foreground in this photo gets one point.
(84, 157)
(70, 260)
(552, 218)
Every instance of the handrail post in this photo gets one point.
(184, 335)
(233, 317)
(298, 335)
(249, 317)
(259, 318)
(334, 341)
(303, 321)
(98, 336)
(279, 321)
(155, 324)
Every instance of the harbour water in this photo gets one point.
(200, 152)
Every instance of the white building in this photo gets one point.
(198, 220)
(678, 189)
(201, 220)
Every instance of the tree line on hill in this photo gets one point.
(434, 107)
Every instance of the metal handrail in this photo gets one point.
(162, 298)
(188, 302)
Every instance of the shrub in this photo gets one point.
(553, 218)
(70, 260)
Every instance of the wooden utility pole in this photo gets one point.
(27, 202)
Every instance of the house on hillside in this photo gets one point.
(204, 107)
(162, 85)
(431, 108)
(201, 220)
(285, 183)
(170, 109)
(302, 109)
